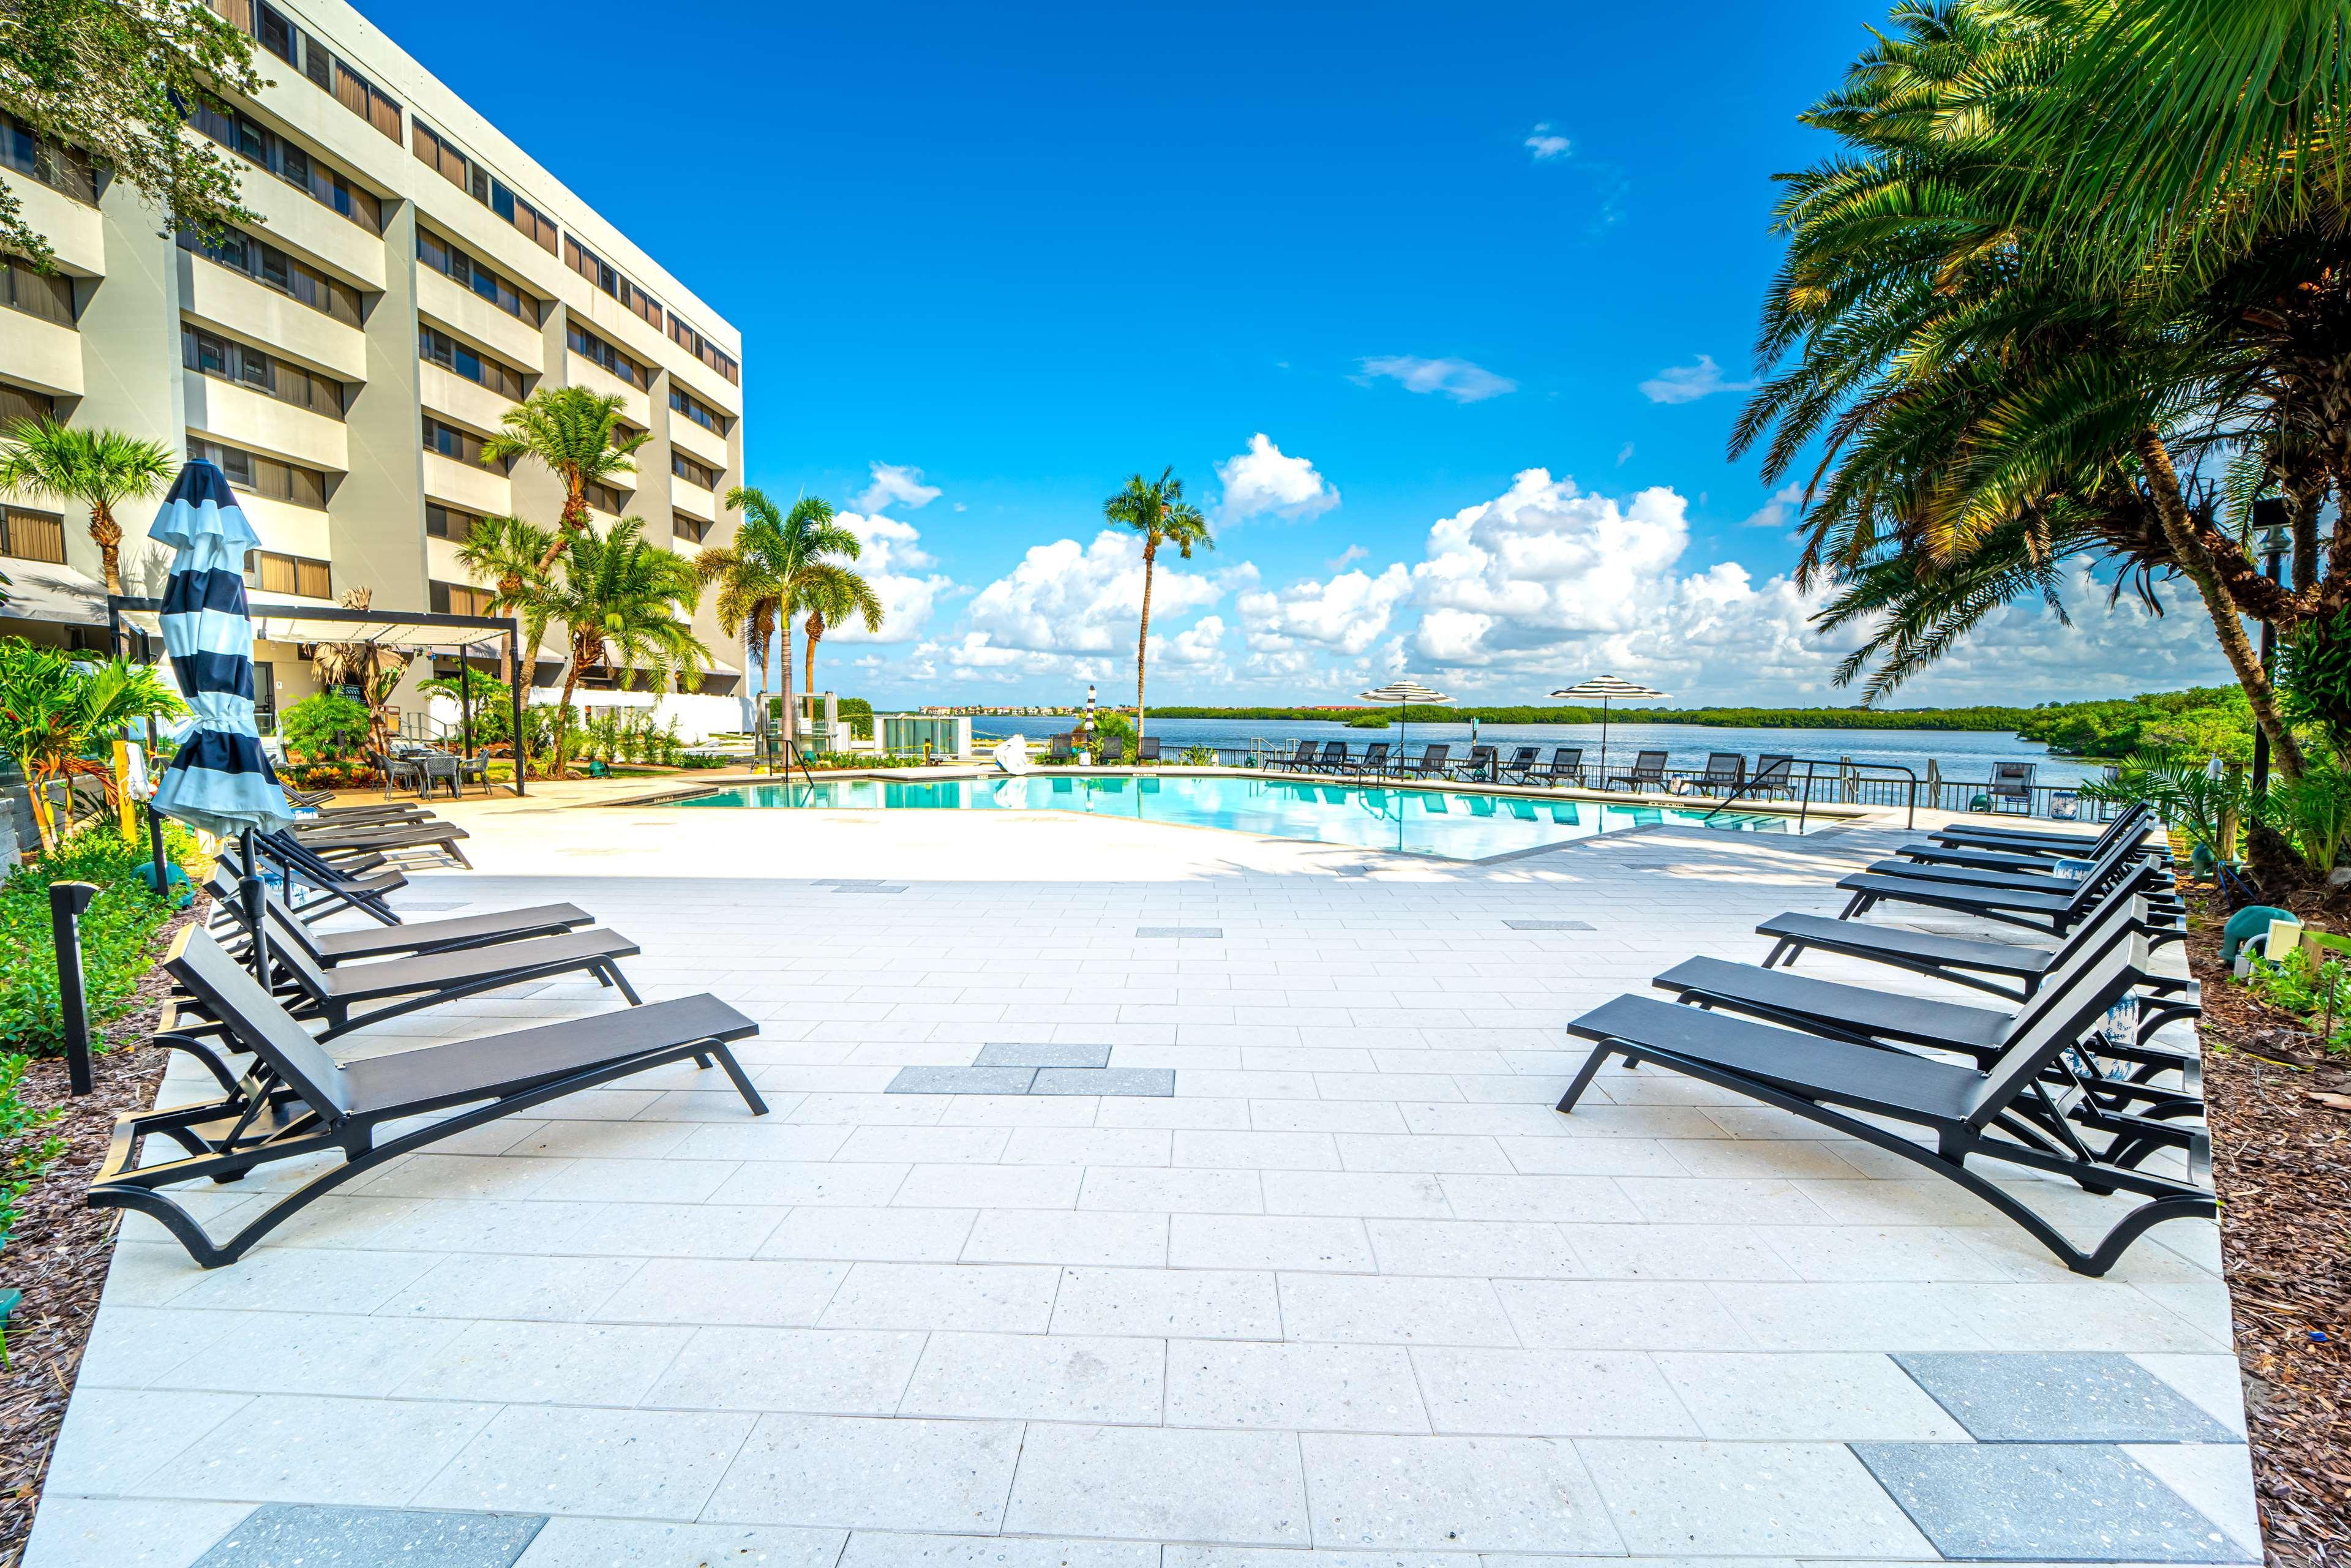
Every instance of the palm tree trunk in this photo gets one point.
(573, 518)
(2180, 532)
(2303, 502)
(563, 716)
(1143, 640)
(815, 630)
(783, 727)
(107, 534)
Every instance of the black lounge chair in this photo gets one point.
(331, 886)
(2011, 785)
(2007, 1113)
(1773, 776)
(2036, 902)
(440, 838)
(1521, 762)
(296, 1099)
(1373, 761)
(1429, 764)
(2003, 968)
(2024, 840)
(1478, 766)
(1648, 773)
(2142, 841)
(1298, 761)
(369, 816)
(1056, 748)
(1146, 750)
(329, 949)
(1566, 766)
(1333, 759)
(1725, 772)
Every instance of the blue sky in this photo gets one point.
(1357, 271)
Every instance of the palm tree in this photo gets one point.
(793, 554)
(569, 432)
(508, 554)
(627, 604)
(53, 706)
(99, 469)
(1155, 509)
(835, 593)
(370, 666)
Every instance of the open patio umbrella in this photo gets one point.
(219, 780)
(1404, 694)
(1604, 690)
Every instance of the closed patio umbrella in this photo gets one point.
(1604, 690)
(219, 780)
(1404, 694)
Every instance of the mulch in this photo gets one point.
(2279, 1111)
(59, 1252)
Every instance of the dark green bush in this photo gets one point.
(120, 922)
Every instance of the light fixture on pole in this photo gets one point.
(1604, 690)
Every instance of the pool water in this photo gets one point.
(1456, 826)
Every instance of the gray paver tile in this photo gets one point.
(1810, 1499)
(985, 1079)
(362, 1537)
(2045, 1502)
(906, 1475)
(2215, 1478)
(1155, 1483)
(1499, 1494)
(1142, 1082)
(2084, 1397)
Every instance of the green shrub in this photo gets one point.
(115, 933)
(327, 727)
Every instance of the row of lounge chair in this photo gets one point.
(283, 1095)
(2069, 1079)
(1725, 773)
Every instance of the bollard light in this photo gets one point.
(67, 900)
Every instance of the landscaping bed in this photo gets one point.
(2280, 1110)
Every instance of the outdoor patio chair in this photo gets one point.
(1521, 762)
(2005, 1113)
(297, 1100)
(2011, 785)
(2009, 969)
(1429, 764)
(1146, 750)
(2029, 902)
(1566, 766)
(2026, 841)
(439, 837)
(1648, 773)
(1478, 766)
(399, 773)
(370, 816)
(1333, 759)
(1056, 748)
(329, 949)
(1298, 761)
(2141, 842)
(1773, 779)
(1373, 761)
(1725, 772)
(1114, 752)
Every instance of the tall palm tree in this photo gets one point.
(796, 553)
(751, 584)
(508, 554)
(569, 432)
(99, 469)
(1156, 509)
(835, 593)
(628, 605)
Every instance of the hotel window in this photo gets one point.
(279, 35)
(462, 445)
(33, 535)
(224, 358)
(693, 473)
(439, 154)
(590, 347)
(297, 575)
(604, 276)
(263, 475)
(465, 272)
(703, 348)
(456, 599)
(16, 404)
(694, 409)
(451, 523)
(58, 167)
(692, 530)
(254, 142)
(604, 498)
(453, 356)
(48, 295)
(273, 268)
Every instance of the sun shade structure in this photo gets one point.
(1404, 694)
(1604, 690)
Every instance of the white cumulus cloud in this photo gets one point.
(895, 484)
(1265, 482)
(1457, 379)
(1546, 143)
(893, 560)
(1687, 383)
(1782, 509)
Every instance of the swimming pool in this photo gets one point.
(1453, 825)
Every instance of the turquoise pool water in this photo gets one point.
(1414, 821)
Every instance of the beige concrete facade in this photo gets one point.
(417, 270)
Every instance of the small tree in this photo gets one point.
(54, 708)
(1156, 509)
(569, 432)
(627, 604)
(99, 469)
(373, 668)
(508, 554)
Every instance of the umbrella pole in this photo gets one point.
(1603, 745)
(248, 889)
(154, 821)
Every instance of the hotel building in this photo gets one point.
(411, 275)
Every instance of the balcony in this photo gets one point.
(288, 528)
(240, 416)
(73, 229)
(236, 304)
(460, 401)
(636, 405)
(481, 490)
(41, 355)
(467, 315)
(314, 232)
(702, 445)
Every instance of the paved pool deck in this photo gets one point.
(1348, 1283)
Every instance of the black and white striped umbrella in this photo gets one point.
(1404, 694)
(219, 780)
(1604, 690)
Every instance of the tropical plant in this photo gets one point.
(98, 469)
(115, 78)
(567, 430)
(325, 728)
(489, 701)
(833, 598)
(510, 556)
(54, 708)
(1156, 509)
(626, 605)
(2313, 812)
(777, 566)
(2201, 799)
(370, 667)
(116, 933)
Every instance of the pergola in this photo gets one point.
(275, 621)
